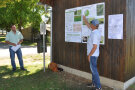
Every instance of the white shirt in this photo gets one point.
(94, 38)
(14, 38)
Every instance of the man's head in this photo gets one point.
(94, 24)
(13, 27)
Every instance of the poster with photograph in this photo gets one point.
(76, 29)
(73, 26)
(95, 11)
(100, 9)
(115, 26)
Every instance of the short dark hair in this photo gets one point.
(11, 25)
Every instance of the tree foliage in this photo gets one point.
(20, 12)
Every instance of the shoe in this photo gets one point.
(98, 88)
(60, 69)
(23, 69)
(91, 85)
(13, 69)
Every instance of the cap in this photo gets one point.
(95, 22)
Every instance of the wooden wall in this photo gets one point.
(111, 61)
(130, 41)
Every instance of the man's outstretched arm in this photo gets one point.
(86, 22)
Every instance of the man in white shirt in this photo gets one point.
(14, 38)
(93, 51)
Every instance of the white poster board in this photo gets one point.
(115, 26)
(76, 30)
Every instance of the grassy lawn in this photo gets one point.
(25, 43)
(35, 78)
(2, 38)
(132, 87)
(29, 43)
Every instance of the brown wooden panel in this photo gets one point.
(111, 61)
(130, 41)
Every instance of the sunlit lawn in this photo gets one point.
(29, 43)
(2, 38)
(132, 87)
(34, 78)
(25, 43)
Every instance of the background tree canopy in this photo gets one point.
(23, 13)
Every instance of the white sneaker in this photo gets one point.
(98, 88)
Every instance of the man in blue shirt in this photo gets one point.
(14, 38)
(93, 51)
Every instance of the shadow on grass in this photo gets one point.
(24, 80)
(29, 43)
(6, 72)
(2, 39)
(37, 80)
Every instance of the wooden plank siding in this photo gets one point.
(111, 62)
(130, 41)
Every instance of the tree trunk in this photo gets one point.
(20, 25)
(2, 31)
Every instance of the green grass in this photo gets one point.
(132, 87)
(34, 78)
(25, 43)
(29, 43)
(2, 38)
